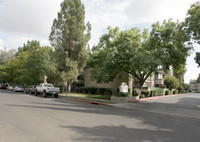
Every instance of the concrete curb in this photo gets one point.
(153, 98)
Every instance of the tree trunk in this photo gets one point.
(68, 87)
(141, 86)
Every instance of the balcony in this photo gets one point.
(159, 81)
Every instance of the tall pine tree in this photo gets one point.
(69, 36)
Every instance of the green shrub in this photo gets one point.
(92, 90)
(120, 94)
(105, 91)
(108, 92)
(181, 91)
(175, 92)
(168, 92)
(159, 92)
(82, 90)
(171, 82)
(146, 93)
(152, 93)
(156, 92)
(142, 96)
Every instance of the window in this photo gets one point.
(48, 85)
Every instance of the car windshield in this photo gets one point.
(48, 85)
(19, 86)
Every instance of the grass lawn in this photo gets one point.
(104, 97)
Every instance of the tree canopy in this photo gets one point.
(193, 25)
(32, 62)
(197, 58)
(140, 53)
(192, 21)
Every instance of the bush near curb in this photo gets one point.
(175, 92)
(151, 93)
(146, 93)
(168, 92)
(142, 96)
(94, 90)
(120, 94)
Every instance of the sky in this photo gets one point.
(22, 20)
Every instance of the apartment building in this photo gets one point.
(156, 80)
(195, 88)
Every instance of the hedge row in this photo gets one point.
(94, 90)
(160, 92)
(183, 91)
(120, 94)
(151, 93)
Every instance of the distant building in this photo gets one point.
(195, 87)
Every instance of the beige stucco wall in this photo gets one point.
(113, 85)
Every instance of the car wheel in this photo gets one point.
(56, 95)
(36, 93)
(44, 95)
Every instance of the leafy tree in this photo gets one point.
(48, 64)
(198, 79)
(193, 25)
(29, 46)
(125, 51)
(171, 82)
(33, 68)
(140, 54)
(179, 74)
(186, 86)
(13, 69)
(38, 64)
(171, 43)
(30, 66)
(192, 21)
(69, 36)
(197, 58)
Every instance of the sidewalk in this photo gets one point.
(169, 106)
(161, 109)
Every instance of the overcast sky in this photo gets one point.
(22, 20)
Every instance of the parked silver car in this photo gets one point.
(18, 88)
(30, 89)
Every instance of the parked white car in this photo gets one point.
(46, 89)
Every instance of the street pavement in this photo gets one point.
(186, 105)
(26, 118)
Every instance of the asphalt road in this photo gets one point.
(25, 118)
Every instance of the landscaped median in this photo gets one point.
(106, 99)
(87, 98)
